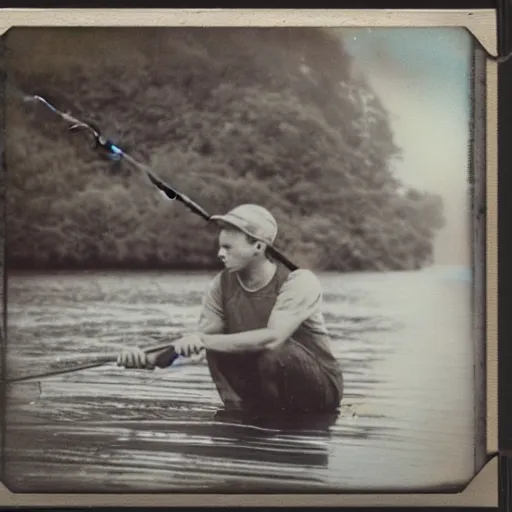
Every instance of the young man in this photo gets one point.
(261, 326)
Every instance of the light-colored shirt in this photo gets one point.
(237, 309)
(299, 296)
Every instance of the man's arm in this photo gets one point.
(299, 298)
(211, 320)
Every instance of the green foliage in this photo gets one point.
(271, 116)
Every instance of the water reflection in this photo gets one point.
(301, 440)
(407, 369)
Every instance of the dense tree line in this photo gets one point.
(272, 116)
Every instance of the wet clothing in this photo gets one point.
(302, 374)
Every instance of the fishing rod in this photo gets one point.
(114, 152)
(99, 361)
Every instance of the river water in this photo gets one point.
(406, 423)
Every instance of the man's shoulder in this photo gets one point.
(304, 279)
(216, 281)
(220, 278)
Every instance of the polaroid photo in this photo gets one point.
(250, 257)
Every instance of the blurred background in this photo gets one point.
(357, 140)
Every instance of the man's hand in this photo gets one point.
(136, 358)
(188, 345)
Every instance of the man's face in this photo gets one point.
(235, 251)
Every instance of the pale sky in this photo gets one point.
(423, 78)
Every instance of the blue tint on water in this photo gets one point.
(455, 273)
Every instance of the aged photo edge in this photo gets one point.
(483, 490)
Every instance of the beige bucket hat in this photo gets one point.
(253, 220)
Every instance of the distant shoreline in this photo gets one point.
(452, 269)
